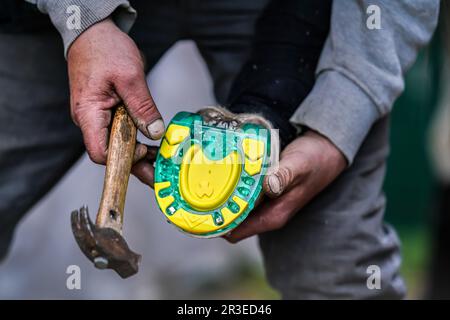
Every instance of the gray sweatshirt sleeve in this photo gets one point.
(62, 12)
(360, 71)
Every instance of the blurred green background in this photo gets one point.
(410, 186)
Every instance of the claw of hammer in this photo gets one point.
(105, 247)
(102, 242)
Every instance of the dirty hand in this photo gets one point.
(105, 68)
(307, 165)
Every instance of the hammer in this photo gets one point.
(103, 242)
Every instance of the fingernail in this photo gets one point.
(274, 184)
(156, 129)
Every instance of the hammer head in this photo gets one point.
(105, 247)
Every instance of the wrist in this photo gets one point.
(327, 151)
(73, 17)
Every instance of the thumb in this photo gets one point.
(140, 105)
(289, 172)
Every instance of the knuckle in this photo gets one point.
(81, 112)
(132, 76)
(278, 221)
(76, 112)
(144, 107)
(95, 151)
(96, 156)
(306, 163)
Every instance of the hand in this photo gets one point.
(307, 166)
(105, 68)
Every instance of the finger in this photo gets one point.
(140, 105)
(290, 171)
(94, 123)
(140, 151)
(255, 222)
(270, 215)
(143, 169)
(152, 152)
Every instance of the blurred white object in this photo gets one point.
(440, 132)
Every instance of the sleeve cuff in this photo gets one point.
(91, 12)
(340, 110)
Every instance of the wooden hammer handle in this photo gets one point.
(122, 142)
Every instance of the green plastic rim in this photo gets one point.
(208, 178)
